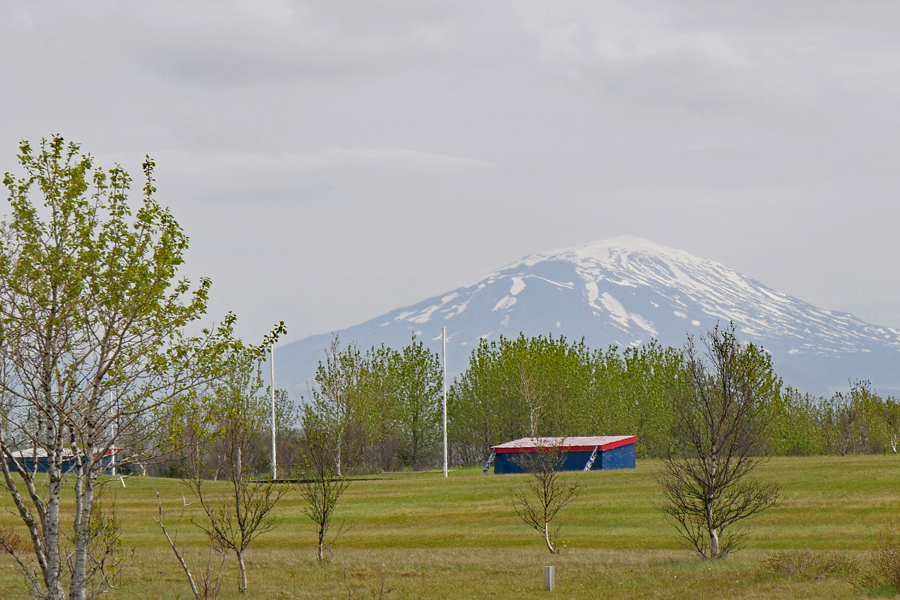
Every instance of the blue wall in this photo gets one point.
(68, 465)
(617, 458)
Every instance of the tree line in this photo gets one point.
(385, 404)
(381, 408)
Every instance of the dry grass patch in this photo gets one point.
(12, 541)
(804, 564)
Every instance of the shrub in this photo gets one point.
(886, 558)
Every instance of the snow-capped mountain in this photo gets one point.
(626, 291)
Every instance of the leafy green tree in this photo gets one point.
(415, 382)
(545, 386)
(631, 393)
(227, 427)
(92, 325)
(287, 432)
(853, 420)
(520, 387)
(240, 411)
(376, 432)
(338, 400)
(797, 427)
(382, 406)
(889, 422)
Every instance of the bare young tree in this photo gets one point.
(320, 485)
(549, 490)
(211, 582)
(720, 418)
(246, 510)
(244, 513)
(92, 342)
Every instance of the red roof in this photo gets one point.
(566, 444)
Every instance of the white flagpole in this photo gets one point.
(274, 460)
(115, 435)
(444, 355)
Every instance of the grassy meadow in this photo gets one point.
(417, 535)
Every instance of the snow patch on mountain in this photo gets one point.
(505, 303)
(518, 284)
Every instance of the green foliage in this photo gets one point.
(227, 423)
(796, 427)
(338, 401)
(546, 386)
(93, 319)
(860, 421)
(386, 403)
(239, 408)
(238, 416)
(515, 388)
(414, 380)
(633, 390)
(320, 485)
(383, 406)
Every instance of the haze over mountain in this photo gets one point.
(625, 291)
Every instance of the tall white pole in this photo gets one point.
(444, 355)
(274, 460)
(115, 432)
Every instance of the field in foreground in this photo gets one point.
(420, 536)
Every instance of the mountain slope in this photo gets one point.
(627, 291)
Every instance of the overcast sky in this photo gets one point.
(333, 160)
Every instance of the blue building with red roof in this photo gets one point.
(582, 453)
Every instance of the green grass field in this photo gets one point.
(421, 536)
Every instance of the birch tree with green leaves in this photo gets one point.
(415, 381)
(93, 341)
(381, 407)
(337, 395)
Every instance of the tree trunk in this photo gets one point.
(710, 498)
(338, 465)
(52, 574)
(713, 543)
(243, 586)
(323, 520)
(547, 538)
(84, 499)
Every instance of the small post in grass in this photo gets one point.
(549, 578)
